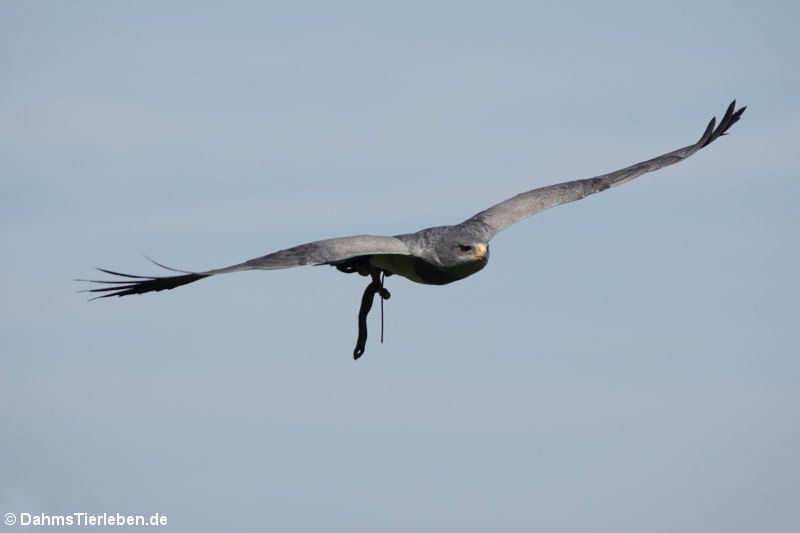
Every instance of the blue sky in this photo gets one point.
(624, 363)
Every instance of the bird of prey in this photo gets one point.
(434, 256)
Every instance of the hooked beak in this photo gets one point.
(480, 251)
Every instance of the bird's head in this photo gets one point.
(463, 251)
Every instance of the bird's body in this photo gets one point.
(433, 256)
(423, 263)
(421, 271)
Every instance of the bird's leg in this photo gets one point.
(375, 286)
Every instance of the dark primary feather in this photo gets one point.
(729, 119)
(140, 284)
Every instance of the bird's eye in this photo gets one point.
(465, 247)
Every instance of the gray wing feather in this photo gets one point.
(328, 251)
(524, 205)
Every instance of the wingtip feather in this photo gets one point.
(714, 131)
(136, 284)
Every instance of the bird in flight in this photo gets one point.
(433, 256)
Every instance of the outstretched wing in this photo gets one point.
(529, 203)
(329, 251)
